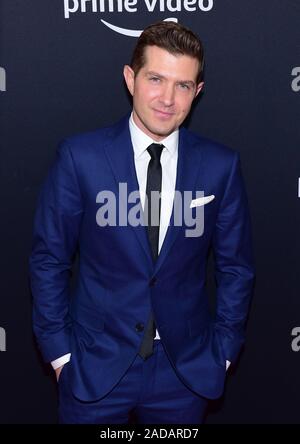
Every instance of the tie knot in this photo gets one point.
(155, 150)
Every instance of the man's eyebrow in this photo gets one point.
(156, 74)
(187, 82)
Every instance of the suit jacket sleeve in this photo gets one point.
(56, 231)
(234, 268)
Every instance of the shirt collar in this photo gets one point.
(141, 141)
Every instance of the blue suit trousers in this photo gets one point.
(150, 392)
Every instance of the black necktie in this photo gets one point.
(154, 176)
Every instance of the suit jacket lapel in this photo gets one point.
(188, 165)
(120, 155)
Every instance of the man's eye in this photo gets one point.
(155, 79)
(184, 86)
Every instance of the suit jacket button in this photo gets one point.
(152, 282)
(139, 327)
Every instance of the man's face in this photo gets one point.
(163, 91)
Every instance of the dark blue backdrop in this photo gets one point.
(64, 75)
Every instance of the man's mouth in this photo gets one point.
(163, 114)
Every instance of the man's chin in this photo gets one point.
(161, 132)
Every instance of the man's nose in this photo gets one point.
(168, 95)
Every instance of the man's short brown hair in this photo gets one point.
(172, 37)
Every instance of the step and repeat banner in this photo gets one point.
(61, 65)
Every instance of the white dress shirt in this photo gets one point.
(168, 160)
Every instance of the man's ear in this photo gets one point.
(199, 88)
(129, 78)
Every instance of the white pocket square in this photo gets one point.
(201, 201)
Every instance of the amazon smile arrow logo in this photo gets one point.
(132, 32)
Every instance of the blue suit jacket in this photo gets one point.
(118, 282)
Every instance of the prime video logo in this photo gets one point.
(112, 6)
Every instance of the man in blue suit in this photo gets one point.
(135, 334)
